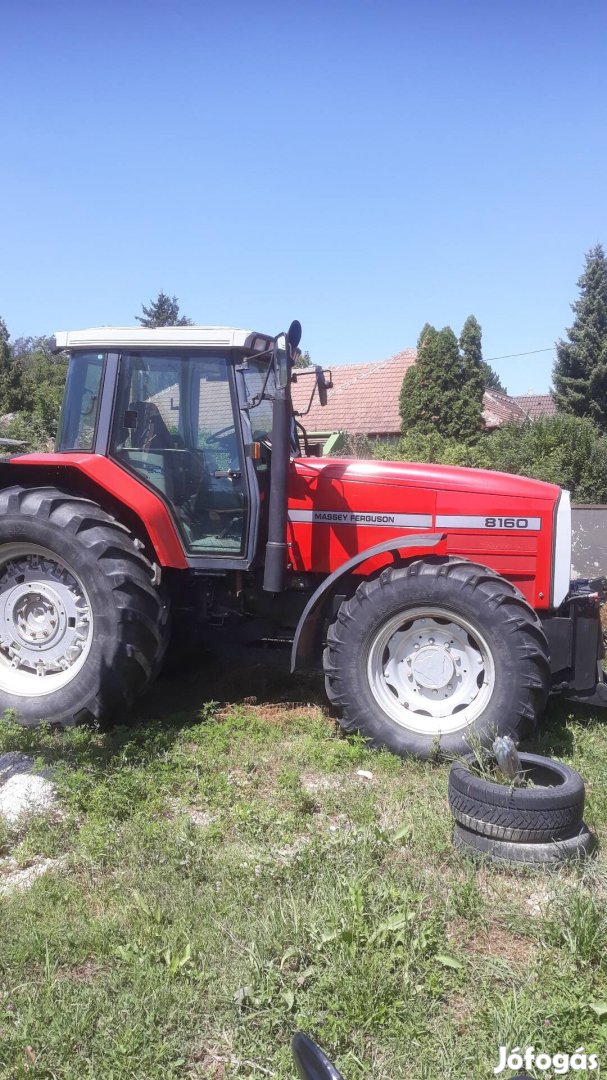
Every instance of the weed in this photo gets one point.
(577, 922)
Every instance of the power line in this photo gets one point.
(509, 356)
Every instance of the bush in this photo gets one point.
(566, 450)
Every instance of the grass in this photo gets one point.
(228, 877)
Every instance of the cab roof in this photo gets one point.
(108, 337)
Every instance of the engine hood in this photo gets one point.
(430, 477)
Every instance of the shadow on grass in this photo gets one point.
(199, 693)
(232, 675)
(555, 736)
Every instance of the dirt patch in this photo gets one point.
(461, 1012)
(313, 782)
(288, 852)
(207, 1064)
(199, 817)
(491, 940)
(86, 972)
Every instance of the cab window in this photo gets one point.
(80, 409)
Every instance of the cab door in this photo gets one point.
(176, 425)
(219, 517)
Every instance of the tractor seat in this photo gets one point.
(150, 431)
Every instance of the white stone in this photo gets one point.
(25, 793)
(21, 879)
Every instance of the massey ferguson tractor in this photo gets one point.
(437, 600)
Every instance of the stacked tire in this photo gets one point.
(539, 823)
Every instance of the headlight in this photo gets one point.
(561, 550)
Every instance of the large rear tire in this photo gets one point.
(426, 657)
(83, 624)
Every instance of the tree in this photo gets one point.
(470, 343)
(569, 451)
(580, 368)
(443, 390)
(302, 360)
(11, 381)
(163, 311)
(43, 381)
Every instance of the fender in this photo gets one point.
(313, 613)
(103, 476)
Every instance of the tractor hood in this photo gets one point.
(520, 528)
(429, 477)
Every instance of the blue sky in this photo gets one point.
(364, 167)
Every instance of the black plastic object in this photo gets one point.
(311, 1063)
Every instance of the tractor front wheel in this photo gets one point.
(82, 623)
(425, 658)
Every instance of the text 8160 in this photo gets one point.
(506, 523)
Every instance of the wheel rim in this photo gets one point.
(46, 622)
(430, 670)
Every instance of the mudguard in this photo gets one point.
(103, 477)
(311, 618)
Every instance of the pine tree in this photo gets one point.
(470, 342)
(580, 368)
(302, 359)
(443, 390)
(163, 311)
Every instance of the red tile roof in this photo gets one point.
(365, 398)
(499, 408)
(536, 405)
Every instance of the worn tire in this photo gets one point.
(487, 602)
(129, 613)
(573, 848)
(553, 810)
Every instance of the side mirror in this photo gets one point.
(281, 361)
(322, 384)
(310, 1061)
(294, 334)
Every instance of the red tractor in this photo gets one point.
(436, 599)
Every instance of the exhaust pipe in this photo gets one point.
(276, 547)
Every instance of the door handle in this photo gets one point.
(227, 474)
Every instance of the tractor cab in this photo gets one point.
(189, 412)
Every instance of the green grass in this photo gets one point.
(228, 878)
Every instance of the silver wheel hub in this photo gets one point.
(430, 671)
(45, 621)
(432, 667)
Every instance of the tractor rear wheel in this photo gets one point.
(424, 658)
(82, 622)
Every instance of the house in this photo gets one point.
(365, 400)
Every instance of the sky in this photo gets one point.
(365, 167)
